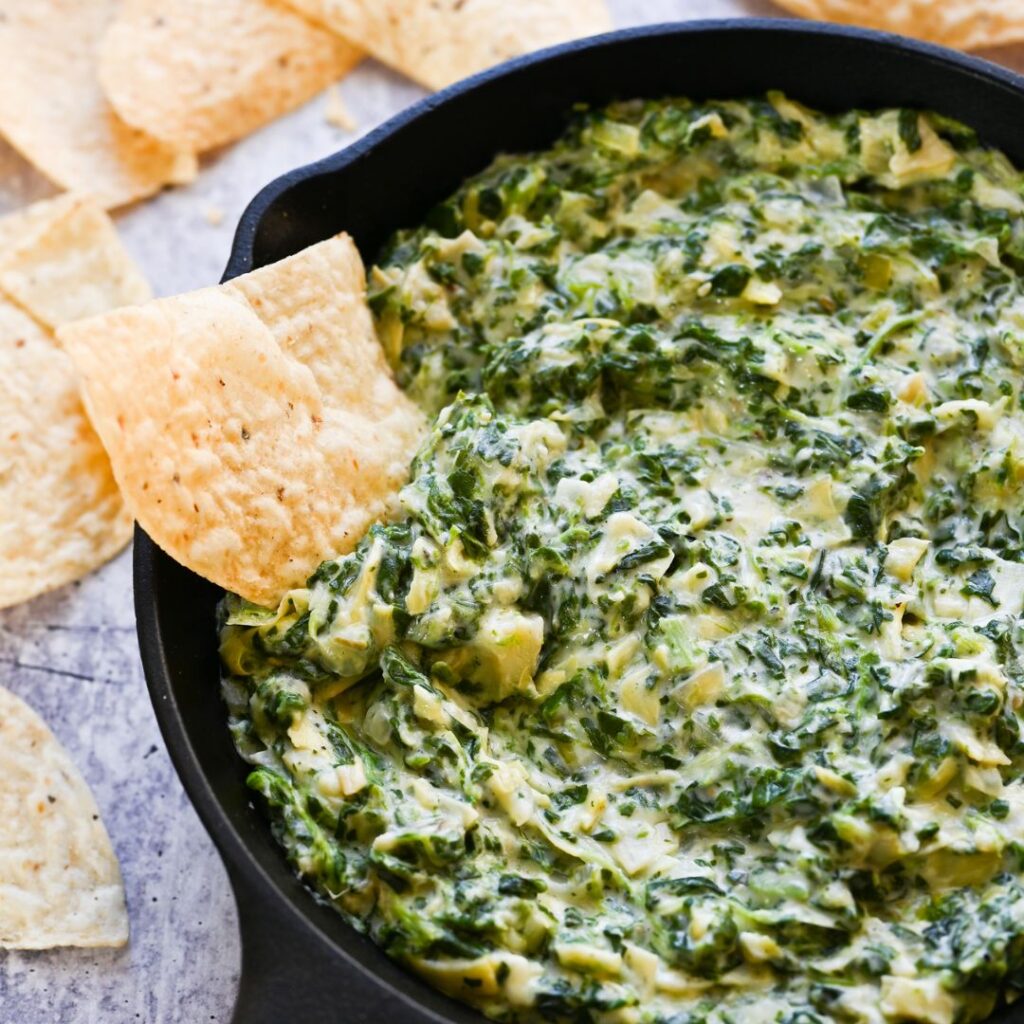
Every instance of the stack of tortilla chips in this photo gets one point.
(63, 516)
(117, 97)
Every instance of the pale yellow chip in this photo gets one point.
(60, 884)
(53, 110)
(62, 512)
(438, 43)
(63, 515)
(963, 24)
(197, 74)
(254, 428)
(70, 265)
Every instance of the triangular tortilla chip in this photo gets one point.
(963, 24)
(254, 428)
(53, 110)
(63, 515)
(197, 74)
(69, 263)
(60, 884)
(440, 42)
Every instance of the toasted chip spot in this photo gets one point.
(54, 112)
(439, 43)
(63, 515)
(965, 24)
(60, 884)
(280, 420)
(197, 74)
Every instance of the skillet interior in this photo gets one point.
(300, 960)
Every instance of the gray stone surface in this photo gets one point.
(72, 654)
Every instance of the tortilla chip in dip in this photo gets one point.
(60, 884)
(254, 428)
(53, 111)
(197, 74)
(963, 24)
(63, 515)
(438, 43)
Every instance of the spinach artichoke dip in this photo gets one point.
(685, 683)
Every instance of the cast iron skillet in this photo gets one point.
(300, 961)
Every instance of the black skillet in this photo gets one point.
(300, 961)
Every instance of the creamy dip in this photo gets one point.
(685, 684)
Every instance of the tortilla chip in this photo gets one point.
(60, 884)
(70, 266)
(963, 24)
(197, 74)
(63, 515)
(53, 110)
(440, 42)
(254, 428)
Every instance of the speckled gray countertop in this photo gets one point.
(72, 654)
